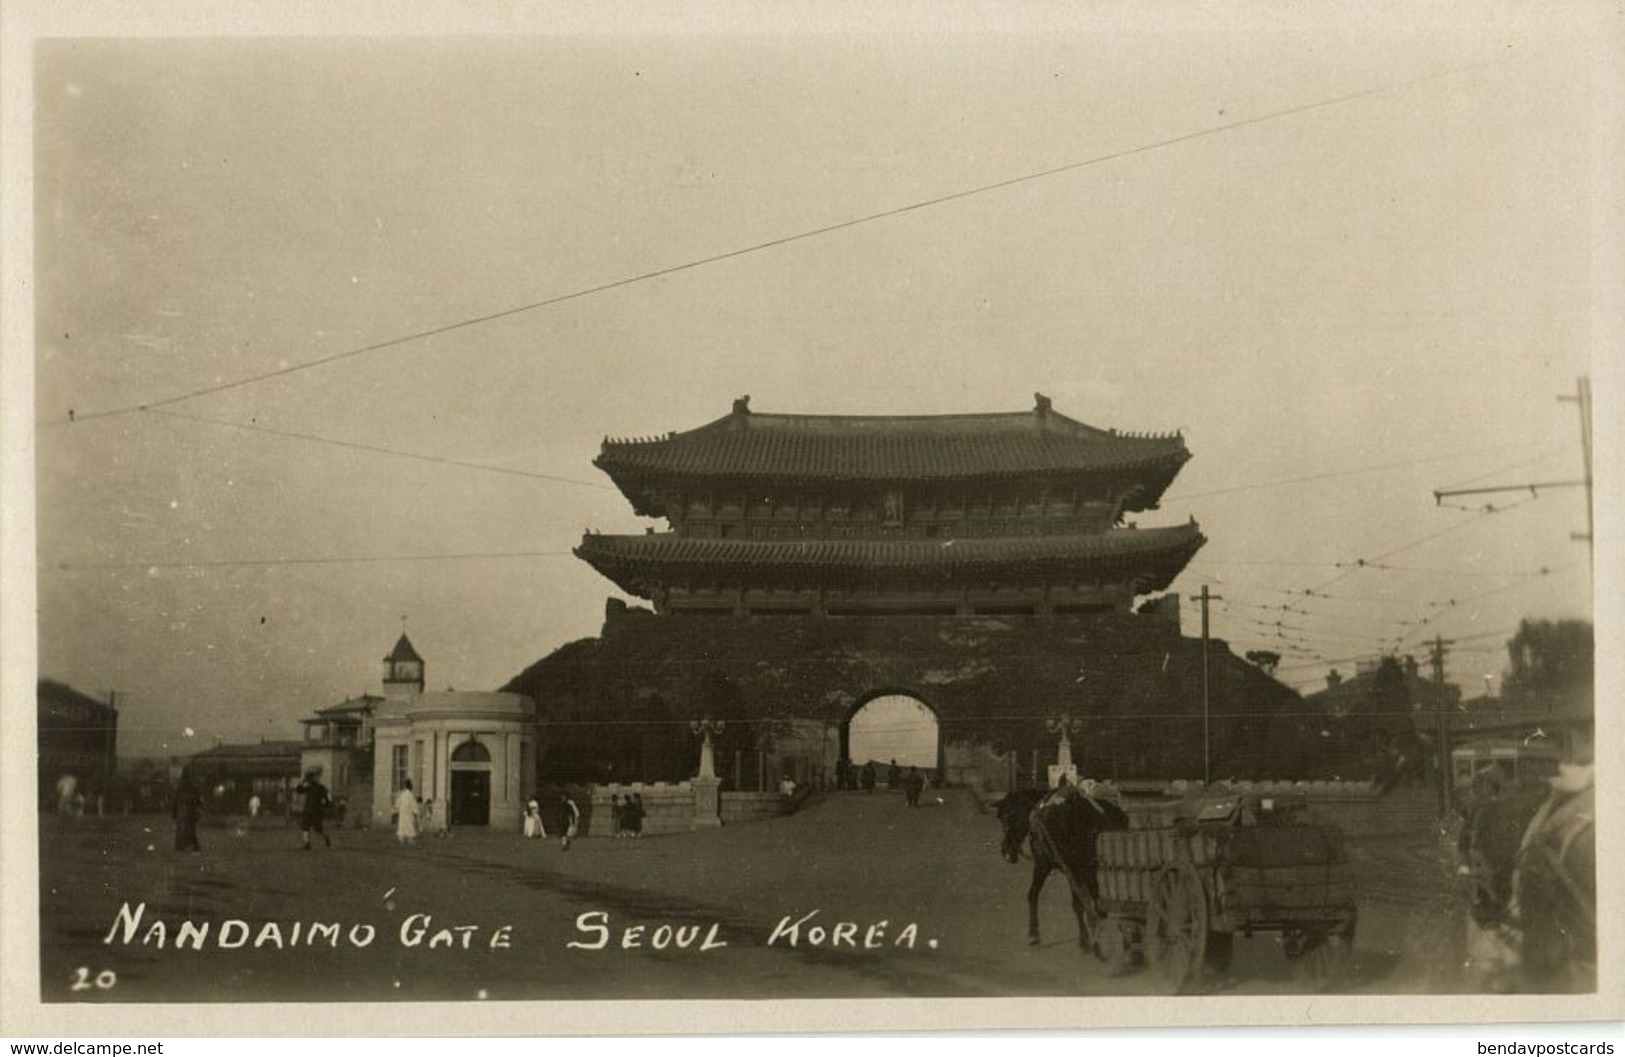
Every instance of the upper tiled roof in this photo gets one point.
(746, 445)
(669, 553)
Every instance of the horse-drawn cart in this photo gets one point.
(1179, 891)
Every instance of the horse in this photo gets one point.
(1527, 860)
(1060, 829)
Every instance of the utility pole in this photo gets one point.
(1582, 397)
(1441, 712)
(1207, 762)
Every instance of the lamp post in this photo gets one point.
(1065, 726)
(707, 727)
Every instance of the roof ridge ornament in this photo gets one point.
(742, 405)
(1041, 404)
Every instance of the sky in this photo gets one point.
(383, 297)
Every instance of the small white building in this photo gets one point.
(472, 753)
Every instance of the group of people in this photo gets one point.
(72, 801)
(414, 816)
(912, 783)
(186, 808)
(627, 813)
(562, 816)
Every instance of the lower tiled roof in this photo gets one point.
(673, 551)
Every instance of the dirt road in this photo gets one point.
(854, 896)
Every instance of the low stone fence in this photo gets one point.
(668, 807)
(753, 807)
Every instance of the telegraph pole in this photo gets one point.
(1207, 763)
(1441, 713)
(1582, 397)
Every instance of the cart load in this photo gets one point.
(1223, 865)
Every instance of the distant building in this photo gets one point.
(1346, 694)
(78, 739)
(338, 744)
(228, 775)
(472, 753)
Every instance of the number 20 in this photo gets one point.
(82, 982)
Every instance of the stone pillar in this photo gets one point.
(707, 803)
(707, 787)
(1063, 767)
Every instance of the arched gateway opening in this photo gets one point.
(891, 727)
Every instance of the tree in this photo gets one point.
(1552, 665)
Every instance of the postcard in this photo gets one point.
(956, 517)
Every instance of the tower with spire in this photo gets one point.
(403, 671)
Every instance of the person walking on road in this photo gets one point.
(315, 808)
(406, 814)
(913, 785)
(869, 777)
(572, 820)
(188, 806)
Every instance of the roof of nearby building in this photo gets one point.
(354, 706)
(262, 758)
(626, 558)
(745, 445)
(61, 701)
(403, 651)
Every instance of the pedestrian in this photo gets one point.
(533, 819)
(187, 807)
(894, 775)
(314, 809)
(254, 806)
(66, 788)
(433, 819)
(617, 814)
(913, 785)
(869, 777)
(406, 814)
(634, 815)
(572, 820)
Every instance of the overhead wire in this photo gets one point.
(377, 449)
(759, 247)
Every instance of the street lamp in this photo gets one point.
(1065, 726)
(707, 727)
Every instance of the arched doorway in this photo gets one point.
(893, 726)
(471, 785)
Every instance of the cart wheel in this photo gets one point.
(1221, 947)
(1324, 964)
(1296, 942)
(1176, 928)
(1114, 945)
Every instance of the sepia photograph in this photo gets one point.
(516, 511)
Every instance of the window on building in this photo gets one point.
(397, 767)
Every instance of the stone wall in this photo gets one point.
(1134, 683)
(668, 808)
(753, 807)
